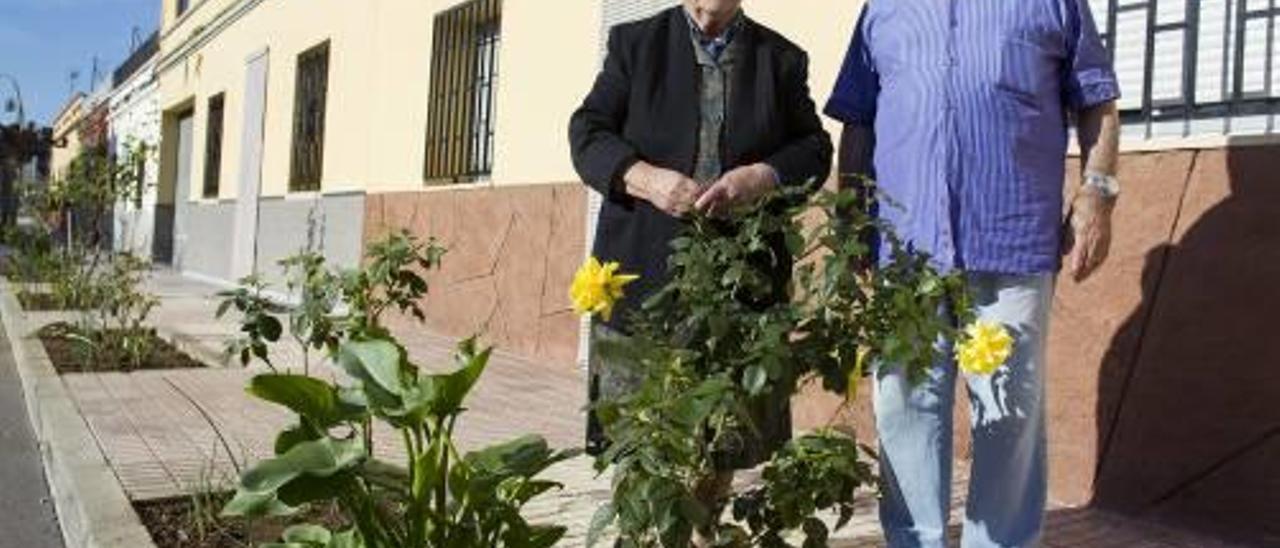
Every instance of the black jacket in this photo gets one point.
(645, 106)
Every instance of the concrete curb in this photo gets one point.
(92, 508)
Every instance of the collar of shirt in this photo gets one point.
(714, 45)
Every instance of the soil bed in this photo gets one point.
(68, 356)
(176, 523)
(39, 302)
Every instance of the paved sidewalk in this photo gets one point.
(168, 432)
(28, 518)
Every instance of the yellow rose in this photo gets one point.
(984, 348)
(855, 376)
(596, 287)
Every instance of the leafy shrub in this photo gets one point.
(717, 342)
(437, 497)
(115, 334)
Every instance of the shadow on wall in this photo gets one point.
(1188, 409)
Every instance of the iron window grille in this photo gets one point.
(1200, 62)
(464, 78)
(213, 145)
(309, 105)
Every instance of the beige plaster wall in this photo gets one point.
(380, 59)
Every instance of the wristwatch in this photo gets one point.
(1106, 185)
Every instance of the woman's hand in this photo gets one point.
(670, 191)
(739, 187)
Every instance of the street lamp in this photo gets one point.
(15, 103)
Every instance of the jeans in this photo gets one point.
(1008, 478)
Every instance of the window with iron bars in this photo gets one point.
(464, 78)
(213, 145)
(1195, 67)
(309, 105)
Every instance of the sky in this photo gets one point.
(43, 41)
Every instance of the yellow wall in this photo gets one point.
(66, 131)
(823, 28)
(380, 60)
(379, 79)
(549, 60)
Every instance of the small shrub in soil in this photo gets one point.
(188, 522)
(69, 351)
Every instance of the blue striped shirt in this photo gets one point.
(969, 100)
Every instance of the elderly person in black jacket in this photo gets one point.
(698, 108)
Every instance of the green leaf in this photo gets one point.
(259, 486)
(601, 520)
(271, 328)
(374, 361)
(290, 437)
(307, 534)
(312, 398)
(754, 379)
(525, 456)
(347, 539)
(443, 395)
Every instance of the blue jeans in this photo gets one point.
(1008, 478)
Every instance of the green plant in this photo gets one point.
(437, 497)
(77, 206)
(259, 325)
(313, 323)
(721, 339)
(32, 257)
(332, 304)
(811, 474)
(115, 335)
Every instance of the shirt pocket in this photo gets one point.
(1030, 69)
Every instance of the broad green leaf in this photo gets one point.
(307, 534)
(310, 397)
(253, 504)
(260, 486)
(324, 457)
(525, 456)
(290, 437)
(347, 539)
(375, 363)
(443, 395)
(386, 475)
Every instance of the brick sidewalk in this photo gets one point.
(168, 432)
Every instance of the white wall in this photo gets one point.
(134, 119)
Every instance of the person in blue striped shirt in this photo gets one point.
(960, 111)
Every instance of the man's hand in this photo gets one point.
(736, 188)
(1090, 237)
(670, 191)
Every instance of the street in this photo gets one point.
(27, 519)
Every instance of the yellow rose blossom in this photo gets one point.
(984, 348)
(855, 376)
(596, 287)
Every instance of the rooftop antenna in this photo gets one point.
(95, 75)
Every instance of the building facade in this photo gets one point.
(330, 123)
(66, 135)
(134, 124)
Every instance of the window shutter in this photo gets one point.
(1195, 67)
